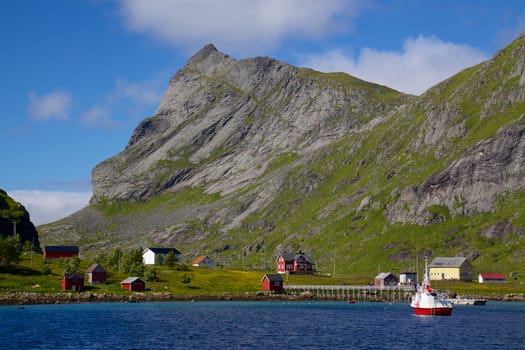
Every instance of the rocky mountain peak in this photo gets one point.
(208, 59)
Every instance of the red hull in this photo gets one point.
(436, 311)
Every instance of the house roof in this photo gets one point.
(296, 256)
(496, 276)
(447, 262)
(61, 248)
(131, 280)
(200, 259)
(274, 277)
(162, 250)
(95, 268)
(384, 275)
(73, 276)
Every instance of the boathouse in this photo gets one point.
(457, 268)
(385, 279)
(133, 284)
(96, 274)
(60, 251)
(272, 282)
(72, 281)
(491, 278)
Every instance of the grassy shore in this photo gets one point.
(27, 280)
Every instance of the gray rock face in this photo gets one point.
(221, 122)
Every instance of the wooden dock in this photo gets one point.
(395, 294)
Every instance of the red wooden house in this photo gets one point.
(60, 251)
(295, 263)
(73, 281)
(491, 278)
(96, 274)
(272, 282)
(133, 284)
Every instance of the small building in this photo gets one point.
(72, 281)
(157, 256)
(299, 263)
(491, 278)
(60, 251)
(272, 282)
(96, 274)
(204, 260)
(133, 284)
(457, 268)
(407, 278)
(385, 279)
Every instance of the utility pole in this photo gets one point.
(335, 253)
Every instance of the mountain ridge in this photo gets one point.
(255, 156)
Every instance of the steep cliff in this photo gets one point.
(244, 159)
(14, 219)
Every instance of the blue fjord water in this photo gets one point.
(259, 325)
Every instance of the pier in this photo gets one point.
(394, 294)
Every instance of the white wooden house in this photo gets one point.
(157, 256)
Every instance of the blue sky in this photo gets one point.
(77, 76)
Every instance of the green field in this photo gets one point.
(34, 275)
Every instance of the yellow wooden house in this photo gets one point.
(456, 268)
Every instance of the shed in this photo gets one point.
(72, 281)
(96, 274)
(456, 268)
(272, 282)
(133, 284)
(157, 256)
(385, 279)
(407, 278)
(204, 260)
(491, 278)
(60, 251)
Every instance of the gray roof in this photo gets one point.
(384, 275)
(273, 277)
(131, 280)
(296, 256)
(163, 250)
(61, 248)
(447, 262)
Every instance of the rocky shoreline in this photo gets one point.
(69, 298)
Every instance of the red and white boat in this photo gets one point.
(428, 302)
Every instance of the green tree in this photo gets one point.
(171, 260)
(71, 265)
(9, 250)
(185, 279)
(150, 273)
(132, 263)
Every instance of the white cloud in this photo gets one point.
(422, 63)
(126, 98)
(49, 206)
(54, 105)
(237, 24)
(142, 93)
(98, 116)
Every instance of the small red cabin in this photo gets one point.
(60, 251)
(272, 282)
(133, 284)
(96, 274)
(73, 281)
